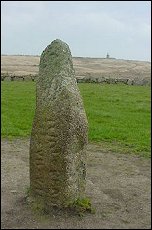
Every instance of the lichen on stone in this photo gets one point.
(60, 131)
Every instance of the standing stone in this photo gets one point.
(59, 133)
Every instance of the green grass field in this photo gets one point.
(118, 115)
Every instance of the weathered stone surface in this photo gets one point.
(59, 133)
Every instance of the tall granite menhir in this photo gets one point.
(59, 133)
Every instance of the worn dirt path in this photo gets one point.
(117, 184)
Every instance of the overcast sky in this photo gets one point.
(90, 28)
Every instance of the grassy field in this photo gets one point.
(118, 115)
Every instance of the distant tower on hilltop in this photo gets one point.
(108, 56)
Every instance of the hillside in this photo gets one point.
(18, 65)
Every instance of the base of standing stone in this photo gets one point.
(79, 207)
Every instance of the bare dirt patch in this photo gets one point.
(117, 184)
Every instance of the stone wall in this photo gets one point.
(87, 79)
(8, 77)
(110, 80)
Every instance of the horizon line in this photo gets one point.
(36, 55)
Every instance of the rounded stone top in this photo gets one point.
(59, 42)
(56, 60)
(57, 47)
